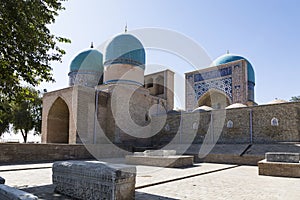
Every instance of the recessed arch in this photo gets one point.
(214, 98)
(159, 82)
(149, 83)
(58, 122)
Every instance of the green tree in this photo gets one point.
(26, 45)
(295, 99)
(5, 115)
(27, 112)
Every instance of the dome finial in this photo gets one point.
(92, 45)
(126, 28)
(227, 52)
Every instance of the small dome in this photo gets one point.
(125, 49)
(236, 105)
(203, 109)
(226, 58)
(277, 101)
(89, 60)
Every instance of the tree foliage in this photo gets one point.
(27, 112)
(5, 115)
(26, 45)
(295, 99)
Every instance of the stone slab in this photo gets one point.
(2, 180)
(156, 153)
(282, 157)
(94, 180)
(280, 169)
(10, 193)
(161, 161)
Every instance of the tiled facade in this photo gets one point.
(227, 79)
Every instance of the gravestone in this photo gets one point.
(159, 152)
(160, 158)
(94, 180)
(10, 193)
(280, 164)
(282, 157)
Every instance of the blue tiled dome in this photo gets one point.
(226, 58)
(89, 60)
(125, 49)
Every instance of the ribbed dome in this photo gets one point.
(125, 49)
(277, 101)
(203, 109)
(89, 60)
(236, 105)
(226, 58)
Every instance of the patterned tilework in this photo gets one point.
(213, 74)
(224, 85)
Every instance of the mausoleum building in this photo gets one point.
(111, 100)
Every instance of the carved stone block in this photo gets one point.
(94, 180)
(159, 153)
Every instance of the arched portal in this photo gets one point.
(58, 122)
(215, 99)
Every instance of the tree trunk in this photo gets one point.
(24, 134)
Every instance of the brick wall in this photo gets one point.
(288, 129)
(20, 153)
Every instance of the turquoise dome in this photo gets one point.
(89, 60)
(226, 58)
(125, 49)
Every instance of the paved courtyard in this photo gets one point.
(203, 181)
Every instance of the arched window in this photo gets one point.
(230, 124)
(274, 122)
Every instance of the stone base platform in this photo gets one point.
(175, 161)
(280, 169)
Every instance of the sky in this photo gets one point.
(266, 32)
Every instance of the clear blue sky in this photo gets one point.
(266, 32)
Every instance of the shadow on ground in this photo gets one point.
(46, 192)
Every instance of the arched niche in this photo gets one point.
(58, 122)
(214, 98)
(159, 81)
(149, 83)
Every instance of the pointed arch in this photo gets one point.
(58, 122)
(214, 98)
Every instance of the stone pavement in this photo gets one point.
(203, 181)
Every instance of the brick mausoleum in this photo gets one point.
(110, 100)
